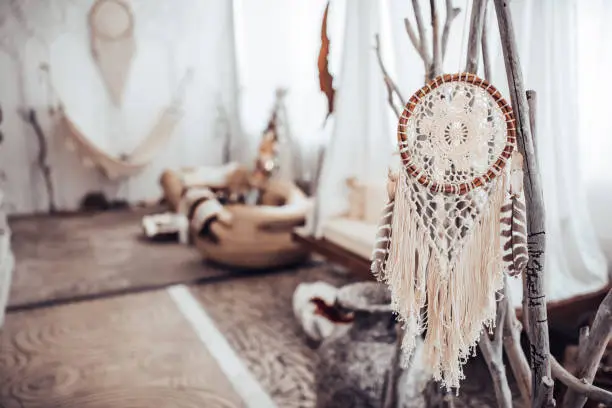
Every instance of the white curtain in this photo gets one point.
(360, 143)
(278, 43)
(549, 40)
(570, 120)
(595, 134)
(171, 38)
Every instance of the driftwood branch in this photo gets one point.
(30, 117)
(492, 351)
(484, 43)
(591, 351)
(418, 16)
(475, 34)
(585, 389)
(391, 86)
(536, 306)
(572, 383)
(436, 63)
(507, 332)
(516, 356)
(451, 13)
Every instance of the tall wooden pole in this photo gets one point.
(542, 384)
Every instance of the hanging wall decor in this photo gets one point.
(456, 220)
(111, 27)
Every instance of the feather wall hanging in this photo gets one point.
(325, 78)
(455, 220)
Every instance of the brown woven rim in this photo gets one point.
(478, 181)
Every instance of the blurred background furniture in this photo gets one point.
(258, 237)
(7, 261)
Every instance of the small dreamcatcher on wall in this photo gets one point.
(455, 221)
(111, 24)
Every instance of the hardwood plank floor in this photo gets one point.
(127, 352)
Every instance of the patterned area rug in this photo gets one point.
(255, 314)
(134, 351)
(83, 256)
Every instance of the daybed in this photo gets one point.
(348, 240)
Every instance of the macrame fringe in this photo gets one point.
(452, 300)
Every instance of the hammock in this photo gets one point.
(121, 167)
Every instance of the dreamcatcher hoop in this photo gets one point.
(479, 180)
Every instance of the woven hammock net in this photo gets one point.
(440, 244)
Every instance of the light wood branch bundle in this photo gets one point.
(539, 349)
(591, 350)
(432, 60)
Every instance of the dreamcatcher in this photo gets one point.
(113, 45)
(455, 220)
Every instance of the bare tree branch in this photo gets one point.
(436, 64)
(591, 350)
(451, 13)
(539, 348)
(415, 40)
(484, 43)
(391, 87)
(421, 29)
(492, 352)
(29, 116)
(572, 383)
(475, 35)
(516, 356)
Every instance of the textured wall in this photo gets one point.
(171, 37)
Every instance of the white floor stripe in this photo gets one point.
(242, 380)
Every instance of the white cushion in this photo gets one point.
(375, 200)
(355, 236)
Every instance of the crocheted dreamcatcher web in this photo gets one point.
(455, 222)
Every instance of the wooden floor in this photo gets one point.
(131, 351)
(68, 258)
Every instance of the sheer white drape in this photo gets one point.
(278, 43)
(595, 105)
(549, 40)
(360, 144)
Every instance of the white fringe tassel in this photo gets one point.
(451, 301)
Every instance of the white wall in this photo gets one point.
(171, 37)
